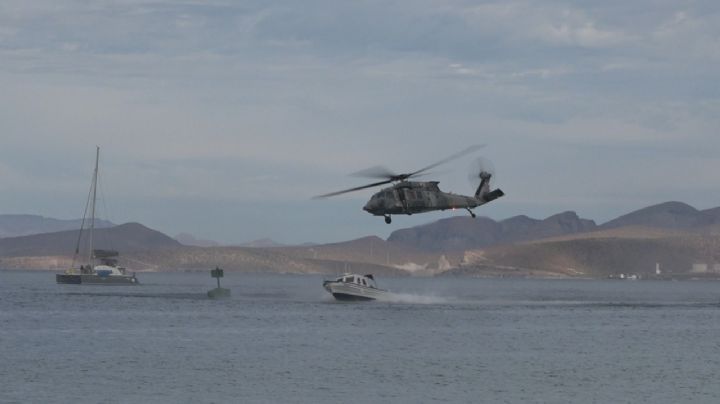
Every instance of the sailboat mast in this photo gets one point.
(92, 207)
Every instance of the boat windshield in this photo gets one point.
(358, 280)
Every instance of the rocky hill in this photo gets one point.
(463, 233)
(23, 225)
(376, 251)
(367, 254)
(143, 249)
(713, 213)
(668, 215)
(190, 240)
(262, 243)
(249, 259)
(126, 238)
(601, 254)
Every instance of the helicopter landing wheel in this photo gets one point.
(472, 214)
(388, 219)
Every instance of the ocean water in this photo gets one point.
(283, 339)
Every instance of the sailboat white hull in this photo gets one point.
(93, 279)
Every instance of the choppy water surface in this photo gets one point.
(283, 339)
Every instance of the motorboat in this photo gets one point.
(354, 287)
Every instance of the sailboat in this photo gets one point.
(102, 267)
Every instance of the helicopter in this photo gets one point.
(410, 197)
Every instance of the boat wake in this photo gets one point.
(192, 296)
(409, 298)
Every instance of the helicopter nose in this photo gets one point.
(370, 206)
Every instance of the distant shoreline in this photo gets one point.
(668, 278)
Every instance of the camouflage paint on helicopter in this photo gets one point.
(409, 197)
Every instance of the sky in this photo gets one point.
(223, 118)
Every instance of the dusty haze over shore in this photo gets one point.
(674, 236)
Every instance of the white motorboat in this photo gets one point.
(354, 287)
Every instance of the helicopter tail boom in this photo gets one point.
(492, 195)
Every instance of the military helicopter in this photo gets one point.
(409, 197)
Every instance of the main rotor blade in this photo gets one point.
(375, 172)
(447, 159)
(382, 172)
(344, 191)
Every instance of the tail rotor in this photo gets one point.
(481, 171)
(481, 168)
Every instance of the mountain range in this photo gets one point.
(669, 215)
(682, 239)
(190, 240)
(463, 233)
(128, 237)
(24, 225)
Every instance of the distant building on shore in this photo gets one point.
(703, 268)
(699, 268)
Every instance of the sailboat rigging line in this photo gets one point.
(107, 239)
(82, 225)
(91, 256)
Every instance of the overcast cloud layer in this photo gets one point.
(223, 118)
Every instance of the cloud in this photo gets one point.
(239, 103)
